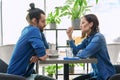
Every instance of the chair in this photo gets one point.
(3, 66)
(113, 50)
(5, 54)
(117, 68)
(4, 76)
(117, 75)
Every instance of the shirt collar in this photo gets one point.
(92, 34)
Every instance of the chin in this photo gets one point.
(42, 28)
(83, 31)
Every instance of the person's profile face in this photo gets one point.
(42, 22)
(84, 25)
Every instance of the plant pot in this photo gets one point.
(52, 26)
(50, 75)
(71, 69)
(76, 23)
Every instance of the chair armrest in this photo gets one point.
(5, 76)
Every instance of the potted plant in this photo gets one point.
(75, 11)
(54, 18)
(71, 68)
(51, 69)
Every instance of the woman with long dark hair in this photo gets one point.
(93, 46)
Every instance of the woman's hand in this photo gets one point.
(69, 32)
(34, 59)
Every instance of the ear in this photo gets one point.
(34, 21)
(91, 24)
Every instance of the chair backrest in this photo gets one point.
(4, 76)
(3, 66)
(114, 50)
(6, 52)
(117, 68)
(115, 77)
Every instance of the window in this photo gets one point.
(14, 18)
(0, 22)
(14, 14)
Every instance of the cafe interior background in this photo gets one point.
(13, 20)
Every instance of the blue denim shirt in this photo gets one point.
(44, 40)
(94, 46)
(31, 42)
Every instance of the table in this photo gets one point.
(66, 63)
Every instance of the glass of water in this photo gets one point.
(69, 52)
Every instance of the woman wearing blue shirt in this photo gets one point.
(93, 46)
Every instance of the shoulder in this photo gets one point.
(32, 28)
(31, 31)
(99, 37)
(99, 34)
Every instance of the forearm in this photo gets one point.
(70, 37)
(78, 47)
(43, 57)
(73, 46)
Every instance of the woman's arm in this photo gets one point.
(71, 42)
(77, 48)
(93, 47)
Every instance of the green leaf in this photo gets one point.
(65, 13)
(71, 64)
(96, 1)
(51, 69)
(69, 2)
(80, 2)
(88, 6)
(54, 17)
(56, 12)
(87, 10)
(85, 2)
(75, 8)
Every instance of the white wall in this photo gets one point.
(14, 14)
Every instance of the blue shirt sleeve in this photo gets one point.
(35, 40)
(44, 41)
(77, 48)
(91, 48)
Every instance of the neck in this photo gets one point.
(37, 27)
(88, 33)
(33, 25)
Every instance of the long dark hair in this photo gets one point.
(92, 18)
(34, 13)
